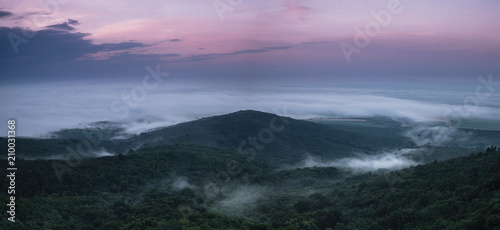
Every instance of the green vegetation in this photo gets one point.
(225, 131)
(382, 126)
(191, 177)
(462, 193)
(130, 192)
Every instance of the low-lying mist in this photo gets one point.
(233, 199)
(424, 134)
(42, 108)
(362, 163)
(427, 137)
(181, 183)
(241, 199)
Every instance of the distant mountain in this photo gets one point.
(270, 134)
(245, 132)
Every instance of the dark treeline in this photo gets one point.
(135, 191)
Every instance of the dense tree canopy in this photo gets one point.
(134, 192)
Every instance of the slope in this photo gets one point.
(252, 132)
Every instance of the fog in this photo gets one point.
(241, 199)
(361, 163)
(102, 154)
(437, 135)
(181, 183)
(424, 135)
(41, 108)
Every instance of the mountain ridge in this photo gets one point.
(242, 131)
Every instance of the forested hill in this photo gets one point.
(135, 192)
(277, 136)
(461, 193)
(203, 175)
(274, 136)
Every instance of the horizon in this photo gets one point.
(65, 64)
(42, 110)
(250, 114)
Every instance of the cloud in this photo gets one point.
(204, 57)
(57, 52)
(400, 50)
(426, 135)
(103, 153)
(126, 56)
(181, 183)
(241, 199)
(393, 160)
(315, 43)
(297, 10)
(44, 107)
(53, 45)
(62, 26)
(278, 48)
(4, 14)
(294, 6)
(73, 22)
(65, 25)
(250, 51)
(118, 46)
(46, 46)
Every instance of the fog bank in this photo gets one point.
(42, 108)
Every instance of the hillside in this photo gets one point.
(236, 171)
(461, 193)
(280, 137)
(180, 187)
(293, 141)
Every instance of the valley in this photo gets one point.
(255, 170)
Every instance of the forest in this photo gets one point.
(178, 184)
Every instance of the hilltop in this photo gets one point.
(243, 132)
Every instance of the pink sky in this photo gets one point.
(251, 22)
(427, 45)
(311, 29)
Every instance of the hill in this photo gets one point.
(247, 131)
(275, 136)
(180, 187)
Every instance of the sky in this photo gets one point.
(240, 39)
(70, 62)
